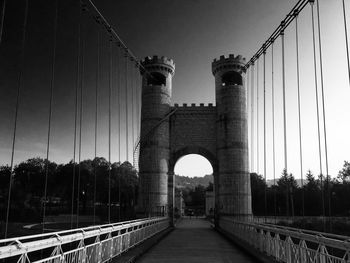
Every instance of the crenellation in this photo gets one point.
(228, 63)
(157, 60)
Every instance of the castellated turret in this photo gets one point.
(233, 184)
(157, 73)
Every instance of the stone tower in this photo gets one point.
(154, 146)
(233, 182)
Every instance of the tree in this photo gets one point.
(288, 185)
(344, 173)
(5, 172)
(258, 187)
(4, 179)
(210, 187)
(312, 192)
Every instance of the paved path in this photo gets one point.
(192, 241)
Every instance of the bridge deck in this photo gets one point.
(194, 240)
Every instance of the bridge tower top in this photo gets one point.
(226, 64)
(158, 64)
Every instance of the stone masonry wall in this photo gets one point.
(193, 131)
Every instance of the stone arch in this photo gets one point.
(193, 150)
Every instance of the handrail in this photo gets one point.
(287, 244)
(13, 239)
(135, 231)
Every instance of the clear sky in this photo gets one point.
(193, 165)
(193, 33)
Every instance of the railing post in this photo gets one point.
(268, 243)
(261, 240)
(322, 254)
(302, 251)
(277, 246)
(99, 252)
(111, 245)
(83, 260)
(288, 249)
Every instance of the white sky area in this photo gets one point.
(193, 165)
(336, 98)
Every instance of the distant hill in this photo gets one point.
(192, 182)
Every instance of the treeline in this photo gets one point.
(192, 182)
(194, 197)
(92, 177)
(318, 196)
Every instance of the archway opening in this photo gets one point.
(231, 78)
(194, 184)
(156, 78)
(193, 165)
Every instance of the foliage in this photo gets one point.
(315, 197)
(62, 187)
(344, 174)
(192, 182)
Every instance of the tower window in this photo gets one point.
(156, 78)
(231, 78)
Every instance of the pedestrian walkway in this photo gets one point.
(192, 241)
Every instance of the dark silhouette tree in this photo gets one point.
(258, 193)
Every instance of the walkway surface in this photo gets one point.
(194, 240)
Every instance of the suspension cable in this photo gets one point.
(284, 101)
(126, 109)
(257, 116)
(96, 116)
(19, 88)
(132, 111)
(2, 19)
(323, 106)
(76, 111)
(109, 128)
(317, 110)
(247, 84)
(80, 123)
(50, 112)
(252, 117)
(273, 131)
(138, 93)
(346, 39)
(300, 5)
(299, 112)
(264, 102)
(119, 127)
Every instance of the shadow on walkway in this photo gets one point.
(194, 240)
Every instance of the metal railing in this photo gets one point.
(91, 244)
(286, 244)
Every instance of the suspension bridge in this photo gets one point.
(245, 132)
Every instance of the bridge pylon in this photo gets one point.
(233, 193)
(154, 143)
